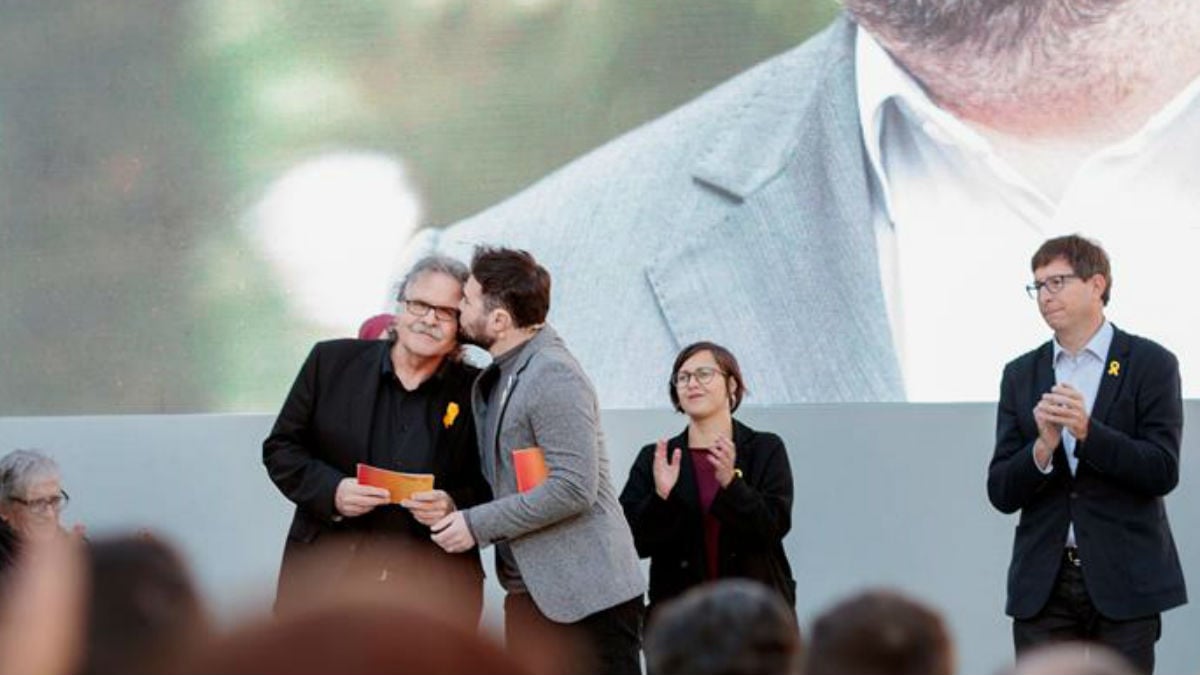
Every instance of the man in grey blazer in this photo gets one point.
(564, 552)
(760, 216)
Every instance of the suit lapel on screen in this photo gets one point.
(789, 269)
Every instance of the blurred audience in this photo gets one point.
(1071, 658)
(145, 613)
(356, 637)
(728, 627)
(41, 610)
(879, 632)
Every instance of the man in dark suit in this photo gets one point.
(401, 404)
(1087, 446)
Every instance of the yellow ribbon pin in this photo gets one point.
(1114, 368)
(451, 415)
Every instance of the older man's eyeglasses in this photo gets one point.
(46, 505)
(1052, 284)
(422, 309)
(703, 375)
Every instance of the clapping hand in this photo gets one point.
(723, 457)
(1065, 406)
(666, 471)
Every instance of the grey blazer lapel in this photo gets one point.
(790, 270)
(509, 384)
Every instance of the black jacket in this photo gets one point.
(1129, 461)
(755, 512)
(323, 431)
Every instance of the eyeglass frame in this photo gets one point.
(1049, 283)
(687, 375)
(440, 312)
(46, 505)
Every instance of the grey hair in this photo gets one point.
(21, 468)
(430, 264)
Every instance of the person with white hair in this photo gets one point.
(31, 501)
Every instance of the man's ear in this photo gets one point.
(500, 320)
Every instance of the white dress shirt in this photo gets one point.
(1082, 371)
(957, 225)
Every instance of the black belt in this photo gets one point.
(1071, 555)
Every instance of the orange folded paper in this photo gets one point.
(400, 485)
(530, 465)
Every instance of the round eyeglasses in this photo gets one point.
(1052, 284)
(46, 505)
(703, 375)
(422, 309)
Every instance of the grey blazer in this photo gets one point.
(743, 217)
(568, 535)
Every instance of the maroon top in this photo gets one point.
(707, 486)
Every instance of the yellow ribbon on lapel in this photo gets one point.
(1114, 368)
(451, 415)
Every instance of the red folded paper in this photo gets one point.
(400, 485)
(530, 466)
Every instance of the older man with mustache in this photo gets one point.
(402, 404)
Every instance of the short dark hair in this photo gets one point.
(1086, 258)
(880, 632)
(729, 627)
(511, 279)
(725, 361)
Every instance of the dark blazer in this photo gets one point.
(1115, 500)
(755, 513)
(324, 430)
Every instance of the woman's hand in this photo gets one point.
(723, 455)
(666, 472)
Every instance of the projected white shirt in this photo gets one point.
(956, 227)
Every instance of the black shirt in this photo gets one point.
(402, 424)
(401, 439)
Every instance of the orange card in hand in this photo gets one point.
(400, 485)
(530, 465)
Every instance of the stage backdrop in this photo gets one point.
(886, 494)
(195, 192)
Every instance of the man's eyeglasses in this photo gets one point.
(1052, 284)
(46, 505)
(703, 375)
(421, 309)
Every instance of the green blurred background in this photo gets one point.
(135, 137)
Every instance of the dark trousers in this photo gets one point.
(609, 641)
(1070, 616)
